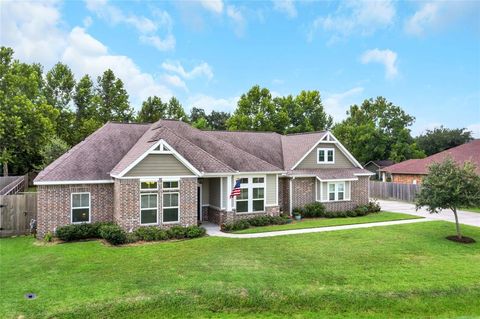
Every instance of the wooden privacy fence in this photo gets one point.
(16, 212)
(385, 190)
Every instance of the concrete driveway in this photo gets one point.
(464, 217)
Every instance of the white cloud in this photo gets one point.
(203, 69)
(215, 6)
(35, 31)
(209, 103)
(87, 22)
(355, 17)
(239, 22)
(386, 57)
(475, 129)
(434, 15)
(285, 6)
(166, 44)
(336, 104)
(147, 28)
(174, 80)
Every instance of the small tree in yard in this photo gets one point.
(450, 186)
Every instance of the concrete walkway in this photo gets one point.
(214, 230)
(464, 217)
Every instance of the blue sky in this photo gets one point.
(423, 56)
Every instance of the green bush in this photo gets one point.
(48, 237)
(176, 232)
(148, 233)
(132, 238)
(373, 207)
(113, 234)
(259, 221)
(315, 209)
(255, 222)
(80, 231)
(195, 231)
(297, 211)
(95, 228)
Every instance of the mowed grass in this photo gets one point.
(324, 222)
(471, 209)
(401, 271)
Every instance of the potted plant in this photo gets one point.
(297, 214)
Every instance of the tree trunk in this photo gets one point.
(457, 225)
(5, 168)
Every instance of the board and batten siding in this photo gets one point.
(271, 190)
(159, 165)
(214, 184)
(310, 161)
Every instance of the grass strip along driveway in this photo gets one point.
(324, 222)
(396, 271)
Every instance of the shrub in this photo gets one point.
(362, 210)
(373, 207)
(297, 211)
(176, 232)
(95, 228)
(254, 221)
(279, 220)
(314, 210)
(195, 231)
(132, 238)
(351, 213)
(48, 237)
(80, 231)
(259, 221)
(113, 234)
(147, 233)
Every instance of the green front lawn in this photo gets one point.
(401, 271)
(324, 222)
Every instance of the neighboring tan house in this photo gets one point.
(414, 170)
(376, 166)
(169, 173)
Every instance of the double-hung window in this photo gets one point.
(148, 203)
(336, 191)
(171, 207)
(325, 155)
(252, 195)
(80, 208)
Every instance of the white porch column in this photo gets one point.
(229, 190)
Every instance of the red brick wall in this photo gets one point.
(407, 179)
(54, 205)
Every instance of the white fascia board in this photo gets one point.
(106, 181)
(337, 179)
(237, 173)
(365, 174)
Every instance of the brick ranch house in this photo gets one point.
(169, 173)
(413, 171)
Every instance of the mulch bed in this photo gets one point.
(463, 240)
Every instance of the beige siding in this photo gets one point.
(272, 189)
(318, 185)
(310, 161)
(214, 184)
(205, 191)
(159, 165)
(324, 191)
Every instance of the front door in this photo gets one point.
(199, 203)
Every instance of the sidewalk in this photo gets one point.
(464, 217)
(214, 230)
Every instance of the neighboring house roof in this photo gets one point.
(115, 148)
(460, 154)
(94, 158)
(381, 163)
(332, 173)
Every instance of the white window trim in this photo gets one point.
(250, 186)
(148, 189)
(346, 195)
(140, 217)
(326, 149)
(171, 180)
(178, 207)
(336, 192)
(82, 207)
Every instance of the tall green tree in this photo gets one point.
(175, 110)
(196, 114)
(113, 99)
(376, 130)
(218, 120)
(58, 90)
(450, 186)
(152, 110)
(87, 115)
(442, 138)
(26, 118)
(53, 149)
(255, 112)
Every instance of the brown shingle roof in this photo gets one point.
(460, 154)
(294, 146)
(95, 157)
(331, 173)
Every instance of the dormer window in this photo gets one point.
(325, 155)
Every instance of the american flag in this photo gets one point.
(236, 189)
